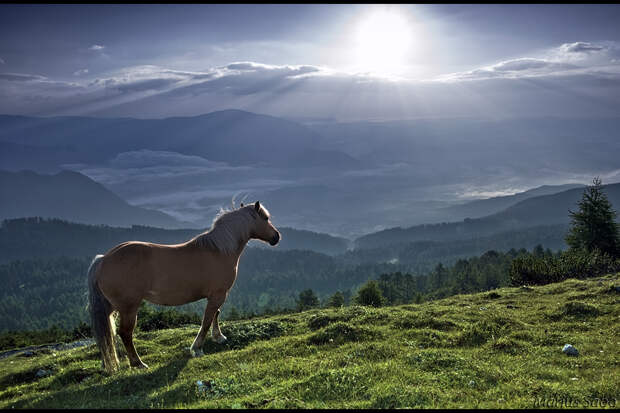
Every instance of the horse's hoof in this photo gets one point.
(196, 353)
(221, 339)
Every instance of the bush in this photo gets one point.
(149, 319)
(54, 334)
(575, 309)
(341, 332)
(536, 270)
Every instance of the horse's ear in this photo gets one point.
(257, 206)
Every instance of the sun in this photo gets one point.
(383, 40)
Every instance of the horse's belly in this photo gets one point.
(172, 297)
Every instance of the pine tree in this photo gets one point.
(234, 314)
(370, 294)
(593, 226)
(307, 299)
(336, 300)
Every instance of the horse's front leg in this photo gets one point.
(213, 305)
(216, 334)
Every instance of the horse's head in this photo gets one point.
(263, 228)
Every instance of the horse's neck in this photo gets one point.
(225, 244)
(240, 248)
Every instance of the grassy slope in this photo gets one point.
(497, 349)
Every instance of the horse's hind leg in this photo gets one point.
(216, 334)
(127, 325)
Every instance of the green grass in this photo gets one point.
(500, 349)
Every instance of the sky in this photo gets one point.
(311, 61)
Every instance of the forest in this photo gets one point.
(46, 292)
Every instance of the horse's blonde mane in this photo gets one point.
(230, 227)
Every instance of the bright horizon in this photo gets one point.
(347, 62)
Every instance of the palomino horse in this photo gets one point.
(205, 266)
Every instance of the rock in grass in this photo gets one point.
(570, 350)
(42, 373)
(204, 386)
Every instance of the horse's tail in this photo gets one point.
(101, 319)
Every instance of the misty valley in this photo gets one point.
(95, 183)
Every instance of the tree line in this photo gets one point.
(49, 294)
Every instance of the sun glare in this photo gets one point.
(383, 40)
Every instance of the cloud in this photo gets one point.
(581, 47)
(249, 78)
(145, 158)
(530, 64)
(19, 77)
(143, 85)
(567, 59)
(188, 187)
(280, 70)
(96, 47)
(80, 72)
(552, 84)
(515, 68)
(2, 61)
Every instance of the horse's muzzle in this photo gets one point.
(275, 239)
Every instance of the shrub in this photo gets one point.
(575, 309)
(340, 332)
(149, 319)
(533, 270)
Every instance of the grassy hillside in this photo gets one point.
(496, 349)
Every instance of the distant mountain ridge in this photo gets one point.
(233, 136)
(483, 207)
(554, 208)
(535, 211)
(27, 238)
(345, 179)
(72, 196)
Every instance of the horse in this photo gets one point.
(203, 267)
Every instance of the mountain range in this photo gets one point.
(541, 210)
(71, 196)
(232, 136)
(343, 179)
(74, 197)
(481, 207)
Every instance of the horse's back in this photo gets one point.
(129, 247)
(124, 271)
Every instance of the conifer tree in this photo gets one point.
(593, 225)
(370, 294)
(336, 300)
(307, 300)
